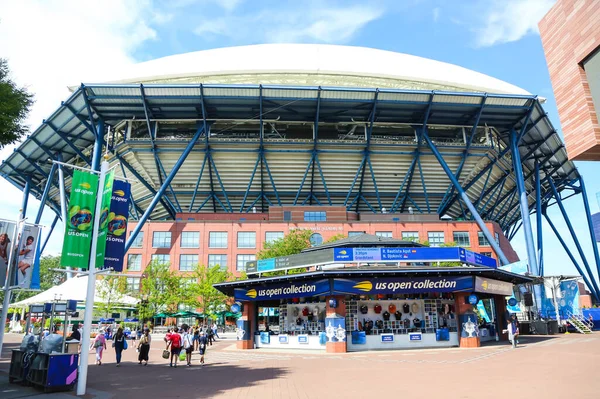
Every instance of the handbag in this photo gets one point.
(124, 344)
(182, 356)
(166, 354)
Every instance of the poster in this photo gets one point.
(107, 193)
(117, 225)
(23, 266)
(78, 234)
(7, 230)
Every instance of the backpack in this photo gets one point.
(186, 341)
(176, 340)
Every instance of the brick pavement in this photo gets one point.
(549, 367)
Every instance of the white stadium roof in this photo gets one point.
(313, 65)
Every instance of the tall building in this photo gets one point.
(570, 34)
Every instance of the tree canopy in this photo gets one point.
(15, 103)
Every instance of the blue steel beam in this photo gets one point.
(49, 234)
(523, 201)
(588, 215)
(487, 179)
(136, 209)
(81, 119)
(394, 207)
(526, 122)
(422, 184)
(163, 188)
(574, 235)
(570, 255)
(97, 132)
(367, 149)
(465, 199)
(45, 193)
(538, 218)
(69, 143)
(261, 149)
(315, 153)
(97, 150)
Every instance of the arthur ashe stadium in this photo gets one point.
(234, 147)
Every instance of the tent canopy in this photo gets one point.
(73, 289)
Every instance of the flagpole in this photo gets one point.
(91, 288)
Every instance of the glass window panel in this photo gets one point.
(355, 233)
(134, 262)
(315, 216)
(187, 262)
(246, 239)
(217, 239)
(271, 236)
(214, 260)
(435, 238)
(410, 235)
(387, 234)
(483, 242)
(190, 239)
(316, 239)
(241, 261)
(139, 240)
(461, 238)
(161, 258)
(161, 239)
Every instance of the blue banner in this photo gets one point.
(401, 285)
(283, 290)
(416, 254)
(117, 225)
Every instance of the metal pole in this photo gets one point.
(588, 214)
(91, 289)
(163, 188)
(466, 199)
(516, 160)
(97, 155)
(538, 218)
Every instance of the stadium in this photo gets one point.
(234, 147)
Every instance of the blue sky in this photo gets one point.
(495, 37)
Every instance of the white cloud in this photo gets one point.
(53, 44)
(507, 21)
(329, 25)
(228, 5)
(436, 14)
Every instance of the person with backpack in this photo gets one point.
(174, 342)
(202, 343)
(99, 345)
(144, 347)
(188, 344)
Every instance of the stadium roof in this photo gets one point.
(312, 65)
(229, 179)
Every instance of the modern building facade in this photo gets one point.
(570, 34)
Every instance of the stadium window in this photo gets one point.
(246, 239)
(164, 259)
(161, 239)
(497, 238)
(461, 238)
(134, 262)
(217, 239)
(190, 239)
(218, 260)
(241, 262)
(410, 236)
(487, 254)
(315, 216)
(387, 234)
(316, 239)
(272, 236)
(436, 238)
(188, 262)
(139, 240)
(355, 233)
(133, 284)
(483, 242)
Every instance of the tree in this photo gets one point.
(206, 297)
(15, 103)
(293, 243)
(111, 290)
(160, 290)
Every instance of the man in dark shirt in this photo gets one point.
(75, 335)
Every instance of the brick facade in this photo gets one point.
(570, 33)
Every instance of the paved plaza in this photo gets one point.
(542, 367)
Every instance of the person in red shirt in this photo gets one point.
(174, 341)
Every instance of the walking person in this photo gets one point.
(188, 344)
(215, 329)
(174, 342)
(119, 344)
(99, 345)
(144, 347)
(210, 334)
(513, 331)
(196, 336)
(202, 343)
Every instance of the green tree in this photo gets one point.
(160, 290)
(15, 103)
(334, 238)
(292, 243)
(205, 297)
(111, 291)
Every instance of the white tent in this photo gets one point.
(74, 289)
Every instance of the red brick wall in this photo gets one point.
(571, 32)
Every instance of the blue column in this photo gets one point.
(49, 234)
(588, 214)
(97, 152)
(45, 193)
(163, 188)
(516, 159)
(26, 191)
(538, 218)
(466, 200)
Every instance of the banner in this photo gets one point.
(107, 193)
(283, 290)
(23, 266)
(490, 286)
(7, 230)
(401, 285)
(78, 232)
(117, 225)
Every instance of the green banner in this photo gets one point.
(104, 219)
(78, 234)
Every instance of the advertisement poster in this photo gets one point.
(107, 193)
(22, 274)
(117, 225)
(7, 230)
(78, 234)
